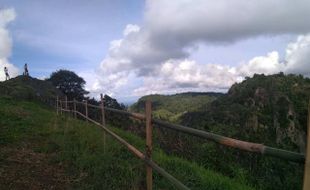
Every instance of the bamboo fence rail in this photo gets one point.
(147, 158)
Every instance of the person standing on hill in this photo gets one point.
(6, 71)
(26, 73)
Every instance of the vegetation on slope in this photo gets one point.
(76, 149)
(264, 109)
(172, 107)
(28, 88)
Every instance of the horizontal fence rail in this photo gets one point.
(226, 141)
(130, 147)
(234, 143)
(140, 155)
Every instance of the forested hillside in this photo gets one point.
(172, 107)
(271, 110)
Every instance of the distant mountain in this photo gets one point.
(171, 107)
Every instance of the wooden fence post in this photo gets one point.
(86, 110)
(57, 102)
(66, 102)
(103, 121)
(60, 107)
(307, 161)
(149, 128)
(74, 108)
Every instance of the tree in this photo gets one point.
(69, 83)
(112, 103)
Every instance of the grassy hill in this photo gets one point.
(28, 88)
(172, 107)
(39, 150)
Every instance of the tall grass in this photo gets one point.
(89, 162)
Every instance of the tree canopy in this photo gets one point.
(69, 83)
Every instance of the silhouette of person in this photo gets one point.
(26, 73)
(6, 71)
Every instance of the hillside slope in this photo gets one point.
(39, 150)
(268, 109)
(171, 107)
(271, 110)
(28, 88)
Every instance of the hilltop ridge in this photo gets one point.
(171, 107)
(28, 88)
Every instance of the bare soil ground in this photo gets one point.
(22, 168)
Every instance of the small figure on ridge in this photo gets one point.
(6, 71)
(26, 73)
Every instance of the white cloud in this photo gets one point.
(131, 28)
(298, 56)
(225, 20)
(187, 75)
(6, 16)
(172, 28)
(157, 52)
(269, 64)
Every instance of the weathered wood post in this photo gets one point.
(57, 102)
(103, 121)
(149, 129)
(74, 107)
(86, 110)
(66, 102)
(60, 107)
(307, 160)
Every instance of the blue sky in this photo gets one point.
(67, 34)
(132, 48)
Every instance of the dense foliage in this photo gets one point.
(264, 109)
(28, 88)
(114, 119)
(69, 83)
(171, 107)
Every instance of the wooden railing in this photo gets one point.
(62, 106)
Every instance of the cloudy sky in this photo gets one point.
(132, 48)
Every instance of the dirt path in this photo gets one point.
(22, 168)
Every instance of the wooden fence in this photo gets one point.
(62, 106)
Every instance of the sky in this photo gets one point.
(131, 48)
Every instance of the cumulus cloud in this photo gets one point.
(6, 16)
(171, 28)
(157, 52)
(225, 20)
(187, 75)
(268, 64)
(297, 56)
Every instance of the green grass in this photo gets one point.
(90, 162)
